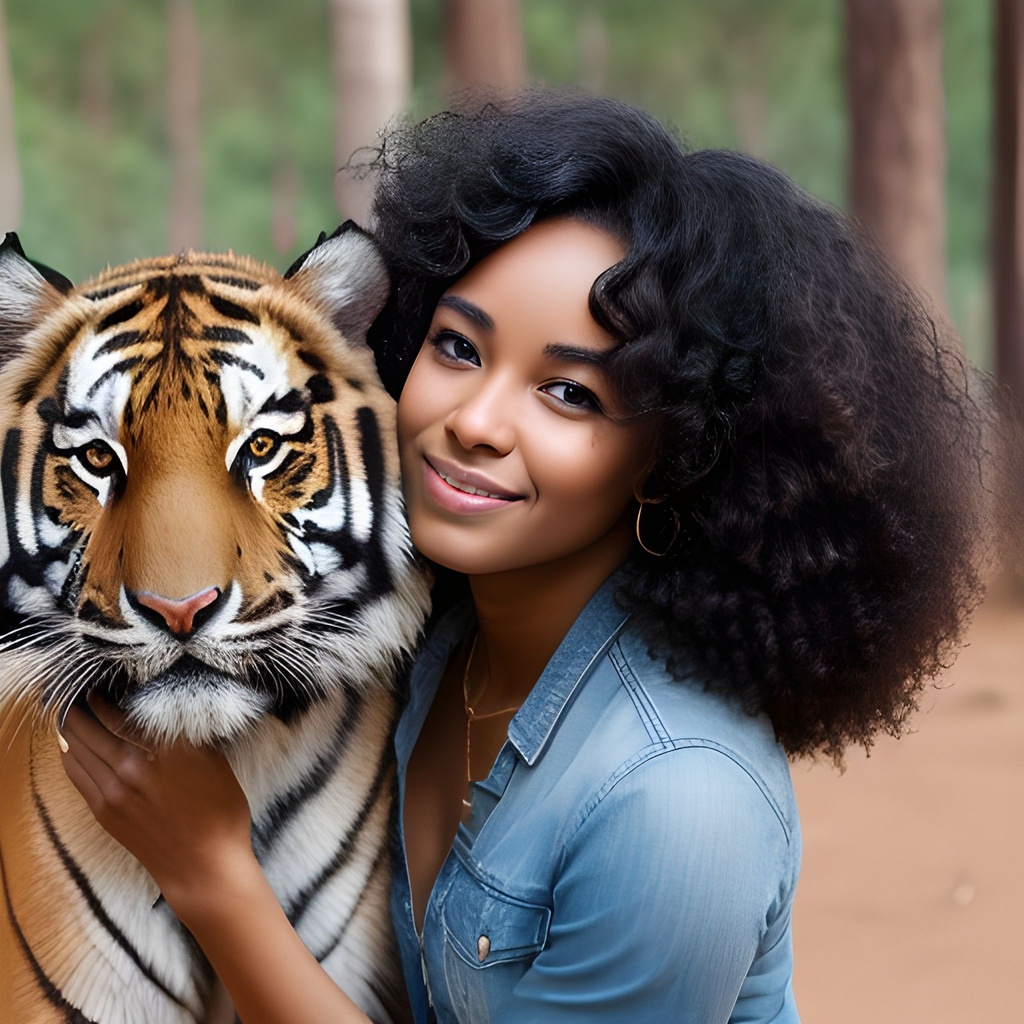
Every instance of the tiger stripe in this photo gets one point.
(80, 882)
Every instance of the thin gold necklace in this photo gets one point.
(475, 716)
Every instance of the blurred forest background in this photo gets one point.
(260, 90)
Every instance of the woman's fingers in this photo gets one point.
(82, 780)
(84, 731)
(116, 721)
(106, 769)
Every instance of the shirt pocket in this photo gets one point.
(487, 927)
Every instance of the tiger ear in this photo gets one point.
(28, 292)
(344, 274)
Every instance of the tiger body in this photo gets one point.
(202, 523)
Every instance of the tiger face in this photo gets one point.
(202, 519)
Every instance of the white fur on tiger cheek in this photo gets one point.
(109, 398)
(246, 389)
(24, 516)
(27, 599)
(361, 510)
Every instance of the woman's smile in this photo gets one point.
(463, 491)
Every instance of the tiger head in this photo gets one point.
(199, 483)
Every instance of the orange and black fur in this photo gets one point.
(202, 522)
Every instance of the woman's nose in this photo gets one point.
(485, 418)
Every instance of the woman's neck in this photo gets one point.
(524, 614)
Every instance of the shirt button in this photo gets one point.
(483, 947)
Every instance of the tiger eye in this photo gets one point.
(99, 458)
(261, 445)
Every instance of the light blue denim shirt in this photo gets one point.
(632, 856)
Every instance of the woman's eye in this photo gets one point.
(262, 445)
(98, 458)
(455, 348)
(574, 395)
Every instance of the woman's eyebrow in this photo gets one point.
(577, 354)
(467, 309)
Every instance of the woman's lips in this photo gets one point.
(462, 491)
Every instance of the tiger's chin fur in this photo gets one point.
(202, 524)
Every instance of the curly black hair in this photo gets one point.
(821, 431)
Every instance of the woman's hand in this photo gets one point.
(179, 810)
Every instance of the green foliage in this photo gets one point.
(764, 77)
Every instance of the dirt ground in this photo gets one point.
(911, 901)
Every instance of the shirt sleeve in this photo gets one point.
(664, 898)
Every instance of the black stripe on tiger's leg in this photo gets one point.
(387, 985)
(274, 819)
(379, 862)
(50, 991)
(97, 909)
(300, 903)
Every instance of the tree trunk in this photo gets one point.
(284, 228)
(898, 138)
(595, 51)
(483, 42)
(371, 48)
(10, 177)
(96, 91)
(1008, 196)
(184, 125)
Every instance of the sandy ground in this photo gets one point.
(911, 901)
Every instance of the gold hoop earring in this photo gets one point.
(661, 534)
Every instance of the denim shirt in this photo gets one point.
(632, 855)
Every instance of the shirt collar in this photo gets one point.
(587, 642)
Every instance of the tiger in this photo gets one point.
(203, 524)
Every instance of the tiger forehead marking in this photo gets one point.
(206, 471)
(177, 379)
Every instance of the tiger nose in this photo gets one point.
(179, 615)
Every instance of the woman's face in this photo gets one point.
(510, 457)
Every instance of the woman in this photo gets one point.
(698, 475)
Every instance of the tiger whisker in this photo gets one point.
(284, 664)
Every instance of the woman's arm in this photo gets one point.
(182, 813)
